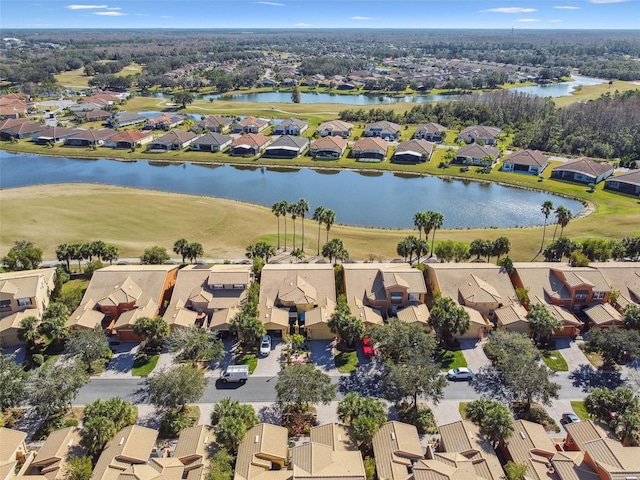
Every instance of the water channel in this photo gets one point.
(364, 198)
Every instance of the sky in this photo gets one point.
(247, 14)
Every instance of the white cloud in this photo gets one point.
(555, 21)
(302, 25)
(166, 16)
(528, 20)
(607, 1)
(566, 7)
(114, 8)
(85, 7)
(272, 4)
(511, 10)
(110, 14)
(363, 18)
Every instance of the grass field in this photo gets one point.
(591, 92)
(580, 410)
(144, 364)
(73, 79)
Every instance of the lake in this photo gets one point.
(372, 199)
(547, 90)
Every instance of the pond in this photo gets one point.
(384, 200)
(559, 89)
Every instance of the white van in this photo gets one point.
(235, 373)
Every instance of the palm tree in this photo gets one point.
(284, 209)
(276, 209)
(329, 219)
(303, 209)
(420, 220)
(180, 247)
(420, 247)
(546, 209)
(293, 210)
(563, 216)
(63, 254)
(318, 215)
(435, 220)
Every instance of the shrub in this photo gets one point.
(37, 359)
(173, 422)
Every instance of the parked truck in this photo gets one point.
(235, 373)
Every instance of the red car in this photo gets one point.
(367, 347)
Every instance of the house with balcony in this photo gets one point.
(291, 293)
(118, 295)
(208, 297)
(385, 287)
(23, 294)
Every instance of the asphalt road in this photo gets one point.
(262, 389)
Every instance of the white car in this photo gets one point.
(265, 345)
(461, 373)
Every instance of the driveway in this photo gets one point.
(473, 351)
(19, 352)
(570, 350)
(322, 356)
(122, 361)
(269, 366)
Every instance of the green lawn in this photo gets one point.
(554, 360)
(580, 410)
(449, 359)
(462, 408)
(143, 365)
(346, 362)
(248, 359)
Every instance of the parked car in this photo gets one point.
(265, 345)
(235, 374)
(570, 418)
(367, 347)
(461, 373)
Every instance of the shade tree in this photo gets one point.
(448, 318)
(52, 388)
(195, 344)
(398, 342)
(23, 255)
(301, 385)
(13, 383)
(248, 328)
(175, 388)
(155, 256)
(231, 420)
(541, 322)
(152, 331)
(88, 346)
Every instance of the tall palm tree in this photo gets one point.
(318, 215)
(436, 220)
(563, 216)
(293, 211)
(303, 209)
(329, 220)
(284, 209)
(277, 211)
(546, 209)
(419, 220)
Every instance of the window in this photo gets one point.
(581, 295)
(24, 302)
(414, 297)
(5, 304)
(613, 184)
(396, 297)
(598, 295)
(218, 286)
(238, 286)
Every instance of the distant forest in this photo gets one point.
(608, 127)
(44, 53)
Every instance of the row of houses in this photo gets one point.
(302, 297)
(587, 452)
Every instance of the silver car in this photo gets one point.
(265, 345)
(461, 373)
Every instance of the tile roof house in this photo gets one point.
(286, 146)
(623, 277)
(335, 128)
(328, 148)
(583, 170)
(526, 161)
(195, 447)
(51, 459)
(19, 128)
(396, 447)
(129, 139)
(464, 439)
(479, 286)
(478, 155)
(291, 292)
(611, 460)
(208, 297)
(531, 446)
(413, 152)
(262, 454)
(86, 138)
(53, 135)
(251, 124)
(129, 290)
(291, 126)
(124, 119)
(603, 315)
(432, 132)
(130, 446)
(174, 140)
(574, 288)
(330, 454)
(580, 433)
(214, 124)
(383, 129)
(415, 313)
(386, 287)
(166, 121)
(211, 142)
(13, 451)
(92, 115)
(23, 294)
(372, 149)
(628, 183)
(475, 133)
(249, 145)
(512, 318)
